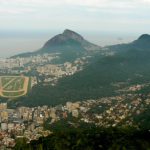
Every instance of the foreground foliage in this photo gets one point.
(91, 138)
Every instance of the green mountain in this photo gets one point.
(69, 42)
(98, 78)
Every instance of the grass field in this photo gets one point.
(13, 86)
(13, 94)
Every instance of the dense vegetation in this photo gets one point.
(95, 81)
(91, 138)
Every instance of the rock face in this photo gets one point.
(73, 35)
(68, 40)
(64, 38)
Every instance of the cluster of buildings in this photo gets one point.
(133, 88)
(42, 67)
(105, 112)
(117, 111)
(53, 72)
(22, 122)
(16, 62)
(60, 70)
(18, 65)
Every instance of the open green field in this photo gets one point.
(13, 86)
(5, 80)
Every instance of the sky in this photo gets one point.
(25, 25)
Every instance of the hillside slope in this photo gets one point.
(67, 42)
(98, 78)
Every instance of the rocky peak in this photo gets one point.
(73, 35)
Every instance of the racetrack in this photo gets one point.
(16, 86)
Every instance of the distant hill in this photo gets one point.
(68, 41)
(142, 44)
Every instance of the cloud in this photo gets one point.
(74, 13)
(27, 6)
(106, 3)
(15, 11)
(31, 2)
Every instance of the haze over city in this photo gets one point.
(27, 24)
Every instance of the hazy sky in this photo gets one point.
(26, 24)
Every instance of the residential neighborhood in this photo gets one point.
(27, 122)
